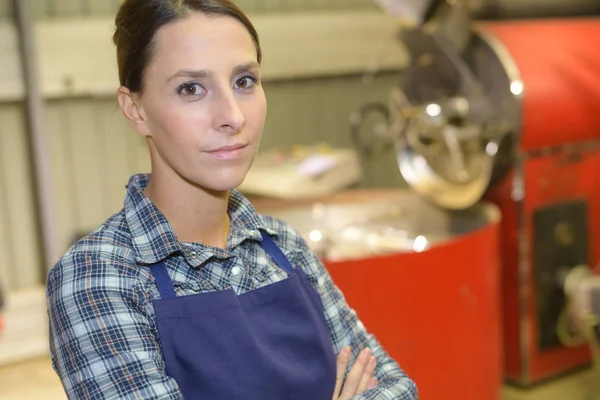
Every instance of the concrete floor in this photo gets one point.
(31, 380)
(577, 386)
(35, 380)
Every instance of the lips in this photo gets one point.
(232, 147)
(228, 152)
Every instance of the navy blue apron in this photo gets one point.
(268, 343)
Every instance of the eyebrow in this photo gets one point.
(188, 73)
(245, 68)
(203, 73)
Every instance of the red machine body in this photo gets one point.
(438, 313)
(550, 200)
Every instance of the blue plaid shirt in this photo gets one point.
(103, 335)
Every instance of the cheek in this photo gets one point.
(178, 121)
(256, 112)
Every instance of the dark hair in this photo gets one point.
(138, 21)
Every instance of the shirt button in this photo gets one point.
(193, 254)
(235, 271)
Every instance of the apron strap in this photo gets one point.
(163, 281)
(275, 253)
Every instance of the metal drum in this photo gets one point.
(423, 280)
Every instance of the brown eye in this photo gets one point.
(247, 82)
(190, 89)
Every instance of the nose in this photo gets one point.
(228, 115)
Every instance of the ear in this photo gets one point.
(132, 110)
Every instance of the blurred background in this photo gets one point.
(441, 157)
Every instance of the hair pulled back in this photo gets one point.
(138, 21)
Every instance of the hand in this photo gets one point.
(360, 377)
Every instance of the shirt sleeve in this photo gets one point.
(103, 340)
(347, 330)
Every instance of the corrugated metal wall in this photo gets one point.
(68, 8)
(94, 151)
(5, 9)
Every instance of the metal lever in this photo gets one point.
(457, 159)
(379, 136)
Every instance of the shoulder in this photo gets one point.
(101, 260)
(289, 240)
(286, 236)
(244, 213)
(297, 250)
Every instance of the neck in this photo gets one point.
(196, 214)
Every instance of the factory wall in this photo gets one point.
(19, 245)
(93, 151)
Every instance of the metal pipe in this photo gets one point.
(38, 138)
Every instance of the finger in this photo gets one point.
(342, 363)
(372, 383)
(355, 375)
(367, 375)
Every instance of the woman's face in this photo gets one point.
(203, 107)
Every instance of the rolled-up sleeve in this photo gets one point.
(103, 339)
(347, 330)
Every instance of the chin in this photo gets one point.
(222, 182)
(221, 176)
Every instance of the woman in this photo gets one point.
(188, 292)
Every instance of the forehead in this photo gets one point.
(200, 39)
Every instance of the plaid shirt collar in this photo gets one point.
(153, 237)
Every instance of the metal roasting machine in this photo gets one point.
(500, 102)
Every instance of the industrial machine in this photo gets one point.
(501, 101)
